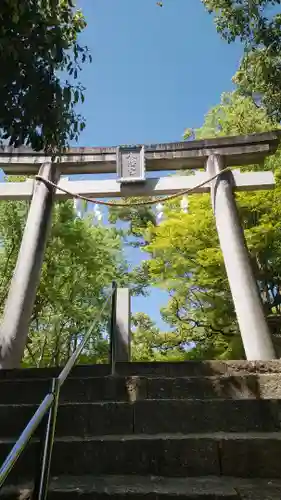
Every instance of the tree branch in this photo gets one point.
(200, 324)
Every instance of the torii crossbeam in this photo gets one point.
(213, 155)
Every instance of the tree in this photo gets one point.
(256, 23)
(150, 344)
(40, 60)
(81, 260)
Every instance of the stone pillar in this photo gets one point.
(22, 293)
(122, 330)
(254, 330)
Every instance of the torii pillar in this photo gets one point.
(22, 293)
(255, 333)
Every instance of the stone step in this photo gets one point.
(170, 369)
(151, 416)
(119, 487)
(84, 389)
(247, 455)
(198, 368)
(252, 386)
(132, 388)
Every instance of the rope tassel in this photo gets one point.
(159, 212)
(184, 204)
(97, 213)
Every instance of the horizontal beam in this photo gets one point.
(248, 181)
(239, 150)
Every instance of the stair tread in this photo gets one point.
(130, 388)
(179, 436)
(149, 376)
(228, 487)
(150, 401)
(151, 368)
(214, 436)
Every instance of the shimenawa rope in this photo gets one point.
(131, 204)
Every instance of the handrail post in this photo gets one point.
(123, 325)
(41, 485)
(120, 330)
(112, 330)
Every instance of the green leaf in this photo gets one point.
(67, 94)
(76, 96)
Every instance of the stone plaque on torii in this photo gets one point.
(131, 163)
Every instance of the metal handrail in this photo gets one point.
(25, 437)
(50, 404)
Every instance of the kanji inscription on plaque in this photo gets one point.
(130, 164)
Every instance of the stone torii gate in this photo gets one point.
(131, 162)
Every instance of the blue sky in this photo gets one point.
(155, 71)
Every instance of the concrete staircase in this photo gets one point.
(195, 430)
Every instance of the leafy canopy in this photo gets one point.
(40, 59)
(256, 23)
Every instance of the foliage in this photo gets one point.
(137, 216)
(38, 44)
(150, 344)
(256, 23)
(80, 263)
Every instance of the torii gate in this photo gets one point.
(131, 161)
